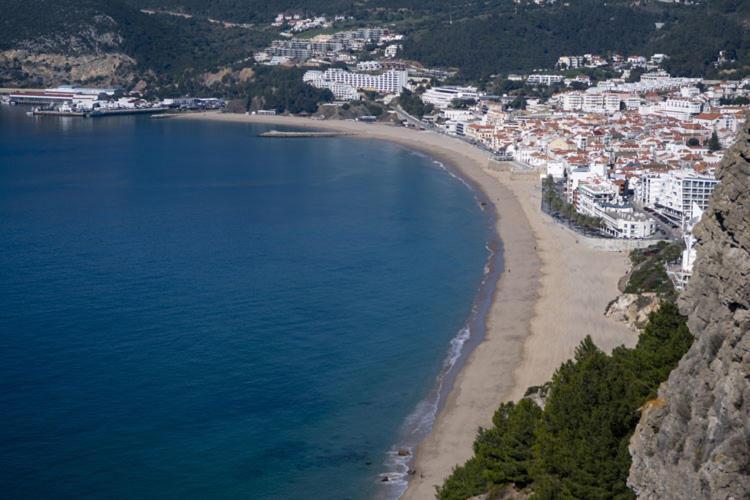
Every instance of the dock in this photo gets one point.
(52, 112)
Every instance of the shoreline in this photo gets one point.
(552, 294)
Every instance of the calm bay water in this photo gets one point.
(190, 311)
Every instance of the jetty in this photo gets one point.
(283, 134)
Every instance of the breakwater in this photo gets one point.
(300, 133)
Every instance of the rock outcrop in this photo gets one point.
(695, 443)
(89, 54)
(633, 308)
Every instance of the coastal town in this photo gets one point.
(630, 157)
(624, 150)
(377, 249)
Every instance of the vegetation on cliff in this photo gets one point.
(577, 445)
(648, 273)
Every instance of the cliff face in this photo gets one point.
(694, 440)
(90, 54)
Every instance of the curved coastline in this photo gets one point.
(551, 295)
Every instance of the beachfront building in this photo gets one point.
(680, 191)
(619, 220)
(388, 82)
(344, 84)
(590, 194)
(62, 94)
(442, 97)
(340, 91)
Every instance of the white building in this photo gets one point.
(391, 50)
(593, 103)
(571, 61)
(389, 82)
(544, 79)
(340, 91)
(618, 220)
(369, 66)
(442, 97)
(680, 274)
(572, 101)
(681, 191)
(679, 107)
(621, 221)
(611, 102)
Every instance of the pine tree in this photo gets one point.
(713, 143)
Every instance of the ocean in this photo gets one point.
(188, 310)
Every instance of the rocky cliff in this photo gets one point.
(693, 441)
(88, 54)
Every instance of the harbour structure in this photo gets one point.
(61, 94)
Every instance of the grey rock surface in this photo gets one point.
(693, 441)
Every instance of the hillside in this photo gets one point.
(481, 38)
(44, 42)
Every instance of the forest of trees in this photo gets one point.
(514, 38)
(576, 446)
(172, 49)
(413, 104)
(480, 38)
(282, 90)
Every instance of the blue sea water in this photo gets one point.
(190, 311)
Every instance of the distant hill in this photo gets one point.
(108, 41)
(483, 37)
(114, 42)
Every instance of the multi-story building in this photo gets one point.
(618, 220)
(544, 79)
(389, 82)
(572, 101)
(571, 61)
(611, 102)
(369, 66)
(592, 194)
(593, 102)
(681, 190)
(442, 97)
(679, 107)
(621, 221)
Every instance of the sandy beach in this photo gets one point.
(552, 293)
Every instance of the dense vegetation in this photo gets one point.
(523, 38)
(282, 90)
(171, 49)
(648, 273)
(413, 104)
(554, 204)
(480, 38)
(576, 446)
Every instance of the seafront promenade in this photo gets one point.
(551, 294)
